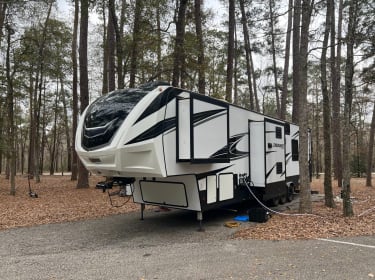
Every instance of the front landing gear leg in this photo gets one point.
(142, 210)
(200, 218)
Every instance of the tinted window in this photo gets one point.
(106, 114)
(279, 167)
(294, 150)
(117, 104)
(279, 133)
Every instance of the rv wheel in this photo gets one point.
(283, 199)
(289, 191)
(275, 201)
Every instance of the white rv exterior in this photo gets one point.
(186, 150)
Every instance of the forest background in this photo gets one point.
(305, 61)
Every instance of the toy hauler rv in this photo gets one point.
(185, 150)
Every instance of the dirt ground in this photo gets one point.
(59, 201)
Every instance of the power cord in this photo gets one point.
(119, 193)
(271, 210)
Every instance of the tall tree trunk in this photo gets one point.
(31, 155)
(3, 9)
(305, 205)
(247, 52)
(235, 69)
(111, 52)
(317, 134)
(42, 121)
(201, 63)
(273, 49)
(159, 42)
(121, 35)
(83, 180)
(328, 195)
(296, 60)
(66, 126)
(105, 53)
(230, 56)
(74, 175)
(370, 152)
(336, 89)
(349, 72)
(54, 134)
(38, 96)
(135, 44)
(10, 110)
(254, 82)
(178, 55)
(118, 37)
(284, 95)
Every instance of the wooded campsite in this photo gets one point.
(304, 61)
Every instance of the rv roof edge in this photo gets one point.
(152, 85)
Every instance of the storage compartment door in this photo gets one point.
(164, 193)
(226, 186)
(211, 189)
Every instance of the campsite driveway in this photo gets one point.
(167, 245)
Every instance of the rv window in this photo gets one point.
(279, 167)
(287, 129)
(294, 150)
(279, 133)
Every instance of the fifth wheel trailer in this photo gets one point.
(185, 150)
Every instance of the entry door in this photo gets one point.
(275, 152)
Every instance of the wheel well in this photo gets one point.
(290, 185)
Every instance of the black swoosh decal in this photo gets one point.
(161, 100)
(231, 150)
(205, 114)
(269, 172)
(167, 124)
(155, 130)
(295, 135)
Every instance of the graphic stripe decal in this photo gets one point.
(155, 130)
(269, 172)
(161, 100)
(167, 124)
(231, 150)
(205, 116)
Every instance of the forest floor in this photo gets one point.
(59, 201)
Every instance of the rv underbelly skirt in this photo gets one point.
(177, 192)
(189, 193)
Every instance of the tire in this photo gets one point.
(275, 201)
(283, 199)
(289, 193)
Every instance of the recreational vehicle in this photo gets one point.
(180, 149)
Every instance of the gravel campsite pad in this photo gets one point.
(59, 201)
